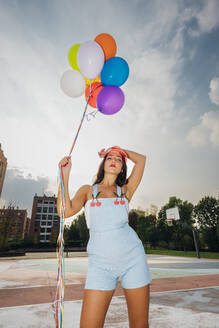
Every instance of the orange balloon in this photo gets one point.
(96, 87)
(108, 45)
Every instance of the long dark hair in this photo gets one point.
(121, 178)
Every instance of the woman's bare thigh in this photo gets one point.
(138, 306)
(94, 307)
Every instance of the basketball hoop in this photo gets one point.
(170, 221)
(172, 214)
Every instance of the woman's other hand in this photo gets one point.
(102, 153)
(65, 163)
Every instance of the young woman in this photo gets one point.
(114, 249)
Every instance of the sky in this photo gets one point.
(171, 110)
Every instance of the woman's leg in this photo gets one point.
(138, 306)
(94, 307)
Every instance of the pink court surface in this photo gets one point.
(184, 292)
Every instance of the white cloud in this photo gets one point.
(207, 18)
(214, 91)
(197, 136)
(151, 90)
(206, 131)
(20, 189)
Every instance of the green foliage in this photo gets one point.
(146, 229)
(5, 228)
(53, 237)
(36, 240)
(206, 213)
(28, 242)
(133, 218)
(77, 234)
(83, 230)
(143, 226)
(185, 210)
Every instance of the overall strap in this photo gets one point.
(95, 190)
(119, 190)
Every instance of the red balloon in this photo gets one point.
(96, 87)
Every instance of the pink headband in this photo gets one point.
(117, 148)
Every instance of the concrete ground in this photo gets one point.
(184, 292)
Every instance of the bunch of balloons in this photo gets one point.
(98, 73)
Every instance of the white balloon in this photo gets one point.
(73, 83)
(90, 59)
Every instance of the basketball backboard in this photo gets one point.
(172, 214)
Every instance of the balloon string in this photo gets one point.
(83, 116)
(59, 300)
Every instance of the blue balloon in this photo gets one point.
(115, 72)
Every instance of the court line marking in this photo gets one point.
(183, 290)
(120, 296)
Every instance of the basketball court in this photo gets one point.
(184, 292)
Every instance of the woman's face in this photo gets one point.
(113, 162)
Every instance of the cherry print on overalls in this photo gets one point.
(98, 203)
(122, 202)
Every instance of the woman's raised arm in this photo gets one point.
(137, 171)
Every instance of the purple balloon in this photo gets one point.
(110, 100)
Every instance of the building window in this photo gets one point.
(37, 217)
(43, 217)
(39, 209)
(43, 223)
(39, 201)
(45, 202)
(50, 209)
(55, 210)
(48, 229)
(49, 217)
(42, 229)
(45, 209)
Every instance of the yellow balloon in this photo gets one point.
(72, 56)
(88, 82)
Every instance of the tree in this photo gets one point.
(82, 228)
(146, 228)
(206, 213)
(53, 237)
(185, 210)
(133, 219)
(153, 236)
(6, 222)
(176, 234)
(142, 229)
(72, 235)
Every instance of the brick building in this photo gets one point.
(44, 219)
(3, 166)
(13, 222)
